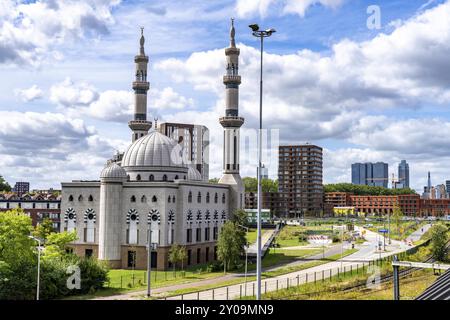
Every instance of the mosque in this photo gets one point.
(150, 192)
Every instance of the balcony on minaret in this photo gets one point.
(141, 86)
(231, 121)
(231, 79)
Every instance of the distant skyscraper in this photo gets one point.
(371, 174)
(427, 190)
(403, 174)
(447, 186)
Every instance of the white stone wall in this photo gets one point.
(80, 207)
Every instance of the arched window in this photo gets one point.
(199, 197)
(138, 177)
(176, 177)
(90, 198)
(223, 198)
(168, 199)
(154, 199)
(184, 177)
(164, 178)
(207, 197)
(173, 199)
(80, 198)
(190, 197)
(128, 177)
(151, 178)
(216, 198)
(133, 199)
(71, 198)
(144, 199)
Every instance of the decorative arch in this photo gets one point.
(164, 178)
(207, 215)
(199, 215)
(154, 199)
(207, 197)
(80, 198)
(173, 199)
(176, 177)
(70, 214)
(138, 177)
(91, 198)
(153, 216)
(89, 215)
(199, 197)
(224, 215)
(190, 197)
(132, 215)
(133, 199)
(216, 215)
(71, 198)
(171, 217)
(223, 198)
(169, 199)
(216, 197)
(151, 178)
(189, 216)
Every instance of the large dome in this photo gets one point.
(152, 150)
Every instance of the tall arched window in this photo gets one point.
(144, 199)
(138, 177)
(154, 199)
(164, 178)
(199, 197)
(168, 199)
(207, 197)
(176, 177)
(151, 178)
(190, 197)
(133, 199)
(71, 198)
(216, 198)
(173, 199)
(223, 198)
(90, 198)
(80, 198)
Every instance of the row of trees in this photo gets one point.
(268, 185)
(365, 190)
(19, 259)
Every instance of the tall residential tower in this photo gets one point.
(403, 174)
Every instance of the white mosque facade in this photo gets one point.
(150, 190)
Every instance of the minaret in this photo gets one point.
(231, 124)
(140, 125)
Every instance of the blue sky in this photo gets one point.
(363, 95)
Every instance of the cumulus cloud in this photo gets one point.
(169, 99)
(30, 31)
(30, 94)
(247, 8)
(71, 94)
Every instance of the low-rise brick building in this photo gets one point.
(36, 206)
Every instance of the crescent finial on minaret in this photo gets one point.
(232, 34)
(142, 41)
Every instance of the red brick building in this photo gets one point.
(410, 204)
(36, 206)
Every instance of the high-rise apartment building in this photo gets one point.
(371, 174)
(21, 187)
(403, 174)
(194, 141)
(447, 186)
(300, 180)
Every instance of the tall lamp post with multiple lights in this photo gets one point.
(259, 34)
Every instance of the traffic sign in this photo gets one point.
(383, 230)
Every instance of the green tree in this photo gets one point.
(365, 190)
(214, 180)
(439, 239)
(230, 245)
(43, 229)
(4, 185)
(267, 185)
(183, 256)
(57, 244)
(174, 256)
(240, 217)
(397, 216)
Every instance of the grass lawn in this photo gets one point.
(251, 235)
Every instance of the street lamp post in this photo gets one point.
(149, 260)
(259, 34)
(246, 257)
(39, 265)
